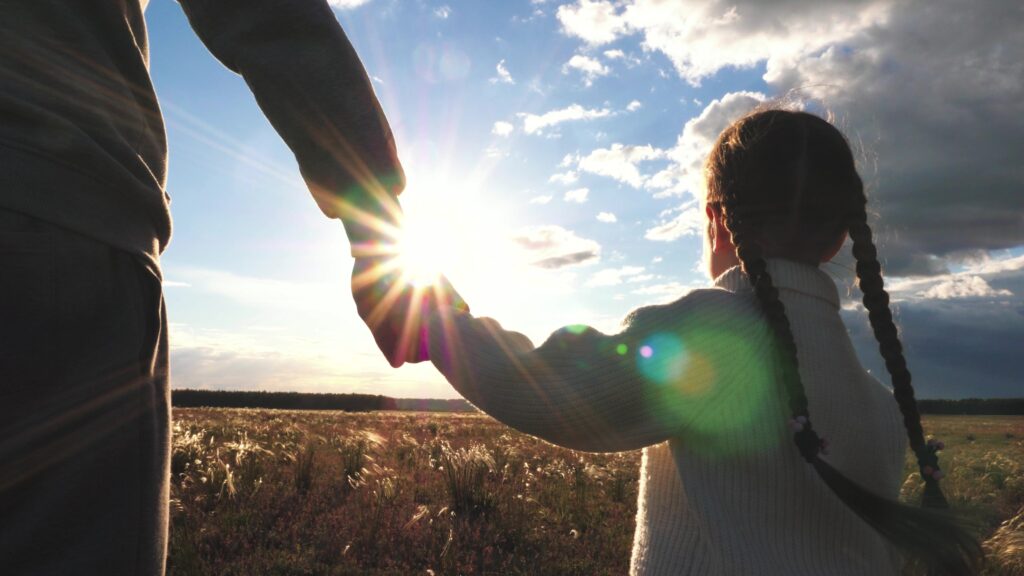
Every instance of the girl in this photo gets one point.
(718, 386)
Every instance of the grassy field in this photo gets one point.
(281, 492)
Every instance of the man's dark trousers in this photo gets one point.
(84, 406)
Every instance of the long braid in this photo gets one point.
(876, 300)
(778, 195)
(755, 267)
(931, 536)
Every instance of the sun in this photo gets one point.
(428, 246)
(453, 233)
(446, 230)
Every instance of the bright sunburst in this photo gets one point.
(446, 230)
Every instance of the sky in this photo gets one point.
(553, 154)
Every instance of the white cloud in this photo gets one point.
(346, 4)
(555, 247)
(502, 128)
(541, 199)
(634, 105)
(504, 76)
(989, 265)
(620, 162)
(579, 195)
(443, 12)
(613, 276)
(684, 176)
(566, 178)
(689, 222)
(607, 217)
(686, 173)
(614, 54)
(973, 281)
(595, 22)
(700, 38)
(962, 286)
(591, 68)
(988, 268)
(533, 123)
(175, 284)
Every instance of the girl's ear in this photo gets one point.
(712, 232)
(834, 249)
(721, 239)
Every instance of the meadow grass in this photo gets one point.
(286, 492)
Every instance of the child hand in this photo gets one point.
(397, 311)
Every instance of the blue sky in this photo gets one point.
(575, 129)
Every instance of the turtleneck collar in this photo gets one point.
(786, 275)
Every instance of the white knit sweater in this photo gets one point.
(723, 489)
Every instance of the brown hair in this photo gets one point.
(787, 185)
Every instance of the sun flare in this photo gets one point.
(426, 251)
(445, 231)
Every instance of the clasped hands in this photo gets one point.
(398, 311)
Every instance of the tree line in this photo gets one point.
(367, 402)
(979, 406)
(310, 401)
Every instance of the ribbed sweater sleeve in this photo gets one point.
(309, 82)
(585, 390)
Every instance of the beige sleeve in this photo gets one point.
(589, 391)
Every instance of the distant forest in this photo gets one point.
(368, 402)
(985, 406)
(311, 401)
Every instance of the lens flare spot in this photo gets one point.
(716, 376)
(669, 364)
(454, 64)
(440, 62)
(576, 329)
(699, 376)
(621, 349)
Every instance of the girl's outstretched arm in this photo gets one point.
(697, 367)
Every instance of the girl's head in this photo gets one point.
(784, 184)
(789, 179)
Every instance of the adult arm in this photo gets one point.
(689, 367)
(309, 82)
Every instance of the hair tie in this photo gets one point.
(807, 440)
(928, 459)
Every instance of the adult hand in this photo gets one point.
(398, 311)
